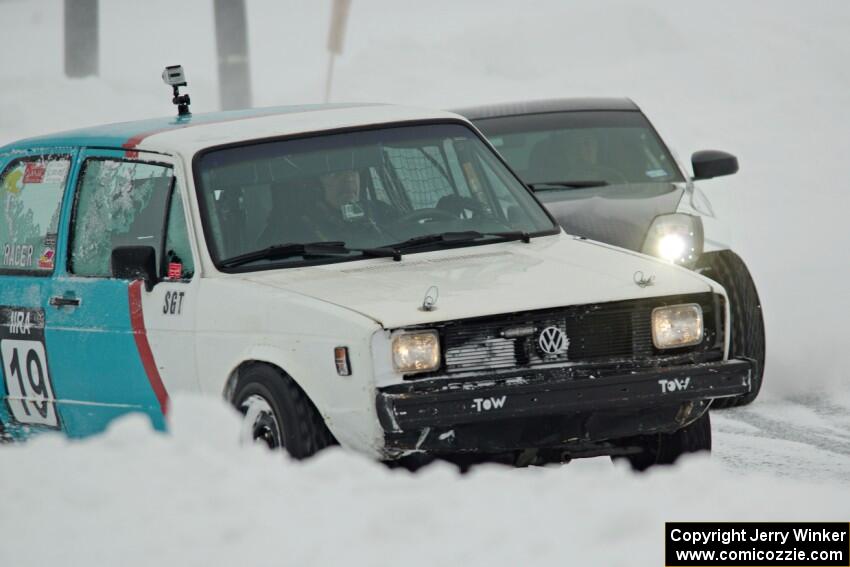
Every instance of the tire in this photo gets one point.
(278, 413)
(666, 448)
(747, 325)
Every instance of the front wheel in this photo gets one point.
(666, 448)
(747, 325)
(278, 414)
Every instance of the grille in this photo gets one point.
(596, 333)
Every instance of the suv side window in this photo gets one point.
(119, 203)
(31, 192)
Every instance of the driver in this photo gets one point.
(337, 209)
(339, 189)
(584, 158)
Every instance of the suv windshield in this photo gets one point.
(570, 150)
(346, 195)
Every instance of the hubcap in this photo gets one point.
(260, 424)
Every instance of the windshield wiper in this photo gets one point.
(578, 184)
(457, 237)
(288, 250)
(338, 248)
(312, 249)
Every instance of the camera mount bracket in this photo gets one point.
(175, 78)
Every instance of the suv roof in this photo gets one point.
(196, 131)
(544, 106)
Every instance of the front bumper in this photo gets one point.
(445, 404)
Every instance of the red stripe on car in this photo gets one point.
(137, 320)
(137, 139)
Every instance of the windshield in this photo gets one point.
(582, 149)
(361, 190)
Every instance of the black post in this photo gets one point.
(231, 37)
(81, 38)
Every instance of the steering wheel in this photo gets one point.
(422, 216)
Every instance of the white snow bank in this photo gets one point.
(196, 497)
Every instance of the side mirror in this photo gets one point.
(135, 263)
(713, 163)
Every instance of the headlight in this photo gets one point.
(676, 238)
(677, 326)
(416, 352)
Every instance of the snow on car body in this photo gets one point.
(443, 310)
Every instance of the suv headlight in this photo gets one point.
(416, 351)
(677, 326)
(677, 238)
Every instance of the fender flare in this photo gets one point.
(273, 357)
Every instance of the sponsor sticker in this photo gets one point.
(34, 173)
(14, 181)
(47, 258)
(56, 171)
(175, 271)
(173, 303)
(17, 255)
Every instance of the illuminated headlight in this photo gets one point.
(677, 326)
(677, 238)
(416, 352)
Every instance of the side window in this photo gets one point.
(119, 203)
(178, 252)
(31, 192)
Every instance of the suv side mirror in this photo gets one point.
(135, 263)
(713, 163)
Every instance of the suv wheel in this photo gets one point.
(666, 448)
(747, 340)
(278, 414)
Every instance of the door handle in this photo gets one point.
(63, 301)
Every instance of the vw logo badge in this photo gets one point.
(553, 340)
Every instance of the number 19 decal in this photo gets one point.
(28, 388)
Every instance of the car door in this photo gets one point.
(32, 189)
(117, 346)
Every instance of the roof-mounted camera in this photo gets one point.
(176, 78)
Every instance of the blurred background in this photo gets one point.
(765, 81)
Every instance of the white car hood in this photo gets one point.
(474, 281)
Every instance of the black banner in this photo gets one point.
(757, 544)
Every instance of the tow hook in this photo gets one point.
(684, 413)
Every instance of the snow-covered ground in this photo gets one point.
(133, 497)
(767, 81)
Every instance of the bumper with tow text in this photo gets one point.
(551, 407)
